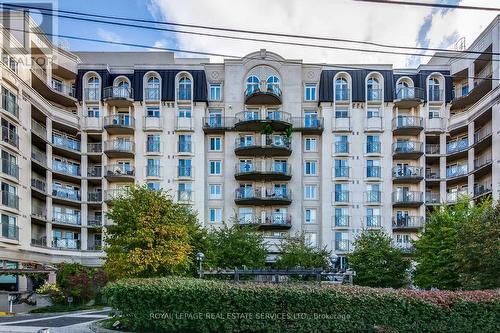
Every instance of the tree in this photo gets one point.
(437, 264)
(477, 251)
(150, 236)
(296, 253)
(377, 262)
(234, 246)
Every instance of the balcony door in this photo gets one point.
(246, 165)
(279, 216)
(310, 119)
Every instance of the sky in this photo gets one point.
(380, 23)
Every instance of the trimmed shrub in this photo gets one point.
(191, 305)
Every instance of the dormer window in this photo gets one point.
(252, 84)
(434, 89)
(341, 89)
(152, 91)
(93, 91)
(373, 91)
(184, 89)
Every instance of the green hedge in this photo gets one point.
(191, 305)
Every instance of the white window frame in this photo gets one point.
(313, 89)
(313, 147)
(213, 88)
(215, 139)
(217, 217)
(215, 163)
(217, 194)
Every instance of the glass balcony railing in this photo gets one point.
(10, 167)
(341, 147)
(10, 199)
(124, 146)
(432, 198)
(373, 196)
(373, 221)
(341, 196)
(374, 95)
(94, 171)
(402, 147)
(483, 160)
(266, 194)
(9, 104)
(407, 171)
(119, 120)
(65, 142)
(341, 220)
(66, 193)
(66, 244)
(266, 168)
(94, 147)
(118, 92)
(435, 94)
(373, 147)
(94, 196)
(402, 197)
(10, 136)
(342, 94)
(66, 168)
(117, 170)
(456, 171)
(480, 189)
(432, 148)
(9, 231)
(457, 146)
(373, 172)
(401, 122)
(39, 184)
(66, 218)
(152, 93)
(406, 93)
(408, 222)
(341, 171)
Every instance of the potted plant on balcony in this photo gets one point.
(267, 129)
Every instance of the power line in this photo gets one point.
(435, 5)
(253, 32)
(339, 67)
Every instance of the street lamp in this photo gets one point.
(199, 257)
(333, 260)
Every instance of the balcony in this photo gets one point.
(252, 121)
(263, 145)
(119, 148)
(10, 136)
(9, 231)
(408, 97)
(38, 212)
(481, 163)
(407, 174)
(373, 221)
(66, 193)
(185, 197)
(405, 222)
(435, 125)
(39, 241)
(404, 247)
(94, 196)
(53, 90)
(374, 172)
(69, 219)
(308, 125)
(457, 146)
(374, 95)
(39, 185)
(115, 193)
(435, 95)
(373, 197)
(341, 124)
(10, 168)
(432, 175)
(407, 199)
(373, 147)
(153, 124)
(341, 221)
(9, 105)
(39, 156)
(482, 138)
(457, 171)
(119, 124)
(341, 197)
(39, 129)
(66, 244)
(374, 124)
(119, 172)
(263, 171)
(432, 149)
(94, 223)
(263, 197)
(341, 148)
(183, 124)
(341, 172)
(92, 94)
(481, 88)
(94, 171)
(263, 94)
(407, 150)
(94, 148)
(93, 124)
(66, 146)
(66, 169)
(342, 246)
(482, 189)
(95, 245)
(454, 196)
(271, 221)
(432, 198)
(407, 125)
(152, 94)
(218, 124)
(185, 172)
(118, 96)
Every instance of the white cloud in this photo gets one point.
(109, 36)
(389, 24)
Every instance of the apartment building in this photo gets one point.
(289, 147)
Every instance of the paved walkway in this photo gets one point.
(68, 322)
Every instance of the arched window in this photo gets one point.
(403, 90)
(434, 89)
(184, 90)
(273, 85)
(122, 88)
(252, 84)
(341, 89)
(152, 92)
(93, 89)
(373, 91)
